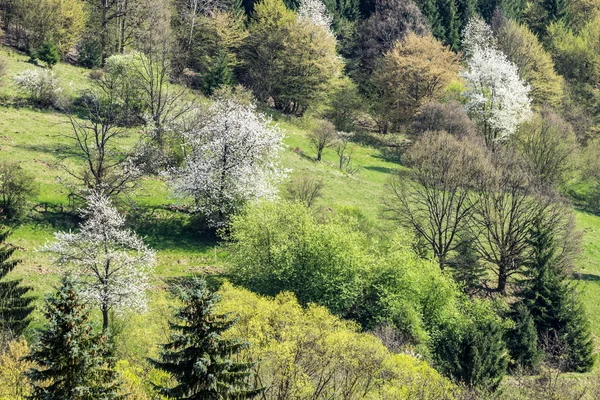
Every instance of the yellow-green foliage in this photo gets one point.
(13, 383)
(576, 55)
(288, 60)
(60, 21)
(414, 72)
(311, 354)
(536, 67)
(138, 381)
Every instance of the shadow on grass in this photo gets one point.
(587, 277)
(213, 281)
(165, 229)
(57, 216)
(49, 148)
(384, 170)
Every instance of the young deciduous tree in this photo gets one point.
(232, 159)
(14, 307)
(322, 136)
(288, 61)
(198, 356)
(111, 264)
(434, 199)
(506, 202)
(71, 361)
(415, 71)
(548, 144)
(497, 99)
(106, 167)
(305, 189)
(535, 65)
(450, 117)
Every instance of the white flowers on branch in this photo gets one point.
(232, 159)
(41, 87)
(315, 11)
(111, 263)
(477, 35)
(497, 99)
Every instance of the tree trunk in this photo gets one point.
(502, 278)
(104, 30)
(104, 317)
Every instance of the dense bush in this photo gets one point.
(17, 189)
(310, 354)
(278, 247)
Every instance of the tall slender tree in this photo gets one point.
(198, 356)
(14, 307)
(72, 362)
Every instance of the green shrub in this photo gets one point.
(280, 246)
(48, 54)
(17, 188)
(470, 346)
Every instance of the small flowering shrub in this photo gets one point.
(39, 87)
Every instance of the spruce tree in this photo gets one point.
(72, 362)
(14, 307)
(553, 302)
(467, 270)
(522, 339)
(198, 356)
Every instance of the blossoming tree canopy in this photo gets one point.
(233, 158)
(111, 263)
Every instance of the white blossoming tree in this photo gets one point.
(232, 159)
(112, 264)
(477, 34)
(497, 99)
(315, 11)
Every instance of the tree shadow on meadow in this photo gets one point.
(166, 229)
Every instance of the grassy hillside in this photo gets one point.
(35, 139)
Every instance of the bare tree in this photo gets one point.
(506, 204)
(341, 149)
(321, 137)
(434, 198)
(107, 168)
(548, 144)
(305, 189)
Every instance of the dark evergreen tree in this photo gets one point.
(467, 270)
(14, 307)
(447, 18)
(72, 362)
(198, 356)
(553, 301)
(48, 53)
(220, 74)
(472, 350)
(522, 339)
